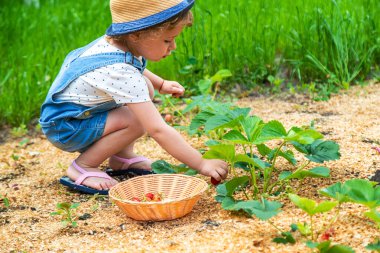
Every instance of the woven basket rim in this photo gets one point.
(130, 202)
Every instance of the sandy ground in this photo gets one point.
(31, 185)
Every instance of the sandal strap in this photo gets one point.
(86, 174)
(129, 161)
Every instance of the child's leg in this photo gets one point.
(121, 130)
(127, 152)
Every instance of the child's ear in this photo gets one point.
(133, 37)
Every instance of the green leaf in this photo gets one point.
(336, 191)
(220, 75)
(236, 137)
(324, 206)
(251, 126)
(321, 151)
(374, 246)
(256, 162)
(234, 183)
(307, 205)
(272, 130)
(363, 192)
(304, 228)
(263, 210)
(220, 121)
(204, 86)
(314, 172)
(74, 205)
(223, 151)
(162, 167)
(304, 137)
(263, 149)
(228, 203)
(199, 120)
(340, 249)
(64, 206)
(287, 237)
(310, 206)
(374, 215)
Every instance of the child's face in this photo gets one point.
(158, 46)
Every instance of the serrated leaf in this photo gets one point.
(251, 160)
(234, 183)
(263, 210)
(363, 191)
(310, 206)
(251, 126)
(223, 151)
(199, 120)
(220, 121)
(315, 172)
(307, 136)
(236, 137)
(162, 167)
(337, 192)
(228, 203)
(272, 130)
(263, 149)
(321, 151)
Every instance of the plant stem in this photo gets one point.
(172, 106)
(278, 229)
(269, 170)
(311, 228)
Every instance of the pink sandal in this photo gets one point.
(126, 166)
(77, 185)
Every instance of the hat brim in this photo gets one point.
(137, 25)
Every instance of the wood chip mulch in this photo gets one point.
(29, 175)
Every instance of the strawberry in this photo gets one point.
(168, 118)
(149, 196)
(214, 181)
(327, 234)
(136, 199)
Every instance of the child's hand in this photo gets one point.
(172, 87)
(214, 168)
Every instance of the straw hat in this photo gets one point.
(133, 15)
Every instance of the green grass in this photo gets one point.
(328, 43)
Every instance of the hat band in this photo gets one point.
(136, 25)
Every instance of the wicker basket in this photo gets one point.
(180, 192)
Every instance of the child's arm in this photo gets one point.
(164, 86)
(172, 141)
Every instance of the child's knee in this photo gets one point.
(150, 87)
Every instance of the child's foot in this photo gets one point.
(95, 178)
(132, 162)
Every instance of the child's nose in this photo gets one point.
(173, 45)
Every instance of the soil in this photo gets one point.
(30, 170)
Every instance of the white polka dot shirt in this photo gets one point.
(120, 82)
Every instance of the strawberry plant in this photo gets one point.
(374, 246)
(66, 211)
(326, 247)
(358, 191)
(311, 208)
(4, 201)
(254, 148)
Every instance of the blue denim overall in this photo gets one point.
(74, 127)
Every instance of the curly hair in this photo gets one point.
(185, 17)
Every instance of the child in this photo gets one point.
(101, 101)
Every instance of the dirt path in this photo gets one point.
(29, 176)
